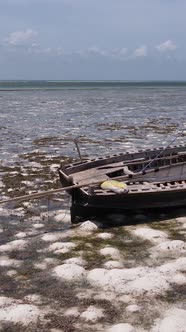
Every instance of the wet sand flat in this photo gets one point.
(117, 273)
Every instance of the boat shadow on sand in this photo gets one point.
(107, 219)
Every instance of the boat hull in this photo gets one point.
(83, 208)
(161, 186)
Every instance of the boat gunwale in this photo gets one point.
(69, 168)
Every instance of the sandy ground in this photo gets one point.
(90, 277)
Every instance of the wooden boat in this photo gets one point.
(155, 178)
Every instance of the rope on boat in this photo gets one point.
(160, 153)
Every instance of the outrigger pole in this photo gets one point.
(39, 195)
(51, 192)
(45, 193)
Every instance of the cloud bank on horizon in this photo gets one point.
(92, 39)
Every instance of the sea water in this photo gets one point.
(106, 117)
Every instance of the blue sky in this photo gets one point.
(93, 39)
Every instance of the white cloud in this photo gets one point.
(60, 51)
(168, 45)
(21, 37)
(141, 51)
(123, 51)
(116, 53)
(36, 49)
(25, 38)
(119, 52)
(97, 51)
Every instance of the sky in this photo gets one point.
(93, 39)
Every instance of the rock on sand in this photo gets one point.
(88, 226)
(122, 327)
(150, 234)
(174, 321)
(70, 272)
(92, 314)
(16, 312)
(13, 245)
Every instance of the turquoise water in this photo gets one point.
(15, 85)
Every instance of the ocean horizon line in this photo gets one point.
(36, 85)
(96, 80)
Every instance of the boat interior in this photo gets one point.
(164, 178)
(139, 187)
(167, 167)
